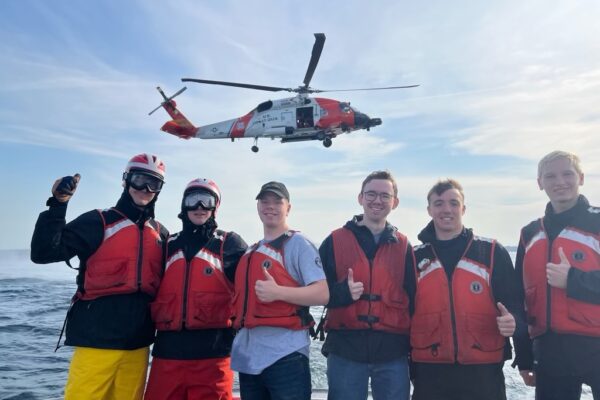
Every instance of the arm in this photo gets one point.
(53, 240)
(584, 286)
(410, 278)
(233, 249)
(315, 294)
(511, 306)
(523, 344)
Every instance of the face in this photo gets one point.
(447, 211)
(561, 182)
(141, 198)
(273, 210)
(199, 216)
(377, 200)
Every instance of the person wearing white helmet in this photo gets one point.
(193, 307)
(121, 256)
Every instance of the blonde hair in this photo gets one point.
(555, 155)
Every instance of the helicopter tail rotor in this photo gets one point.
(167, 100)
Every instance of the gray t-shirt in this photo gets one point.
(257, 348)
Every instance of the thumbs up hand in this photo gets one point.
(267, 291)
(64, 188)
(557, 273)
(506, 321)
(356, 288)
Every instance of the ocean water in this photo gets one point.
(33, 303)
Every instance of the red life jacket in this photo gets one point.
(384, 304)
(197, 294)
(128, 259)
(549, 308)
(456, 322)
(249, 311)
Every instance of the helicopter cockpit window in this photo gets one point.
(345, 107)
(264, 106)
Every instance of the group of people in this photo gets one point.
(438, 315)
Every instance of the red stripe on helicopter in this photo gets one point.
(239, 126)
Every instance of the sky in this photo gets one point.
(501, 85)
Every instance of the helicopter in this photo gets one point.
(293, 119)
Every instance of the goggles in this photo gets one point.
(141, 181)
(194, 200)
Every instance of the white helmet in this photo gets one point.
(207, 185)
(146, 163)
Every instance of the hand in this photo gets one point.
(267, 290)
(64, 188)
(506, 321)
(528, 377)
(356, 288)
(557, 273)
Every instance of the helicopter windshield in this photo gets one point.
(345, 107)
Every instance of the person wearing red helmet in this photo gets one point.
(193, 308)
(121, 255)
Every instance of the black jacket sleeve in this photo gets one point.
(410, 277)
(584, 286)
(54, 240)
(233, 249)
(523, 344)
(339, 292)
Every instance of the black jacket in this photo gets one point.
(200, 343)
(561, 354)
(367, 346)
(120, 322)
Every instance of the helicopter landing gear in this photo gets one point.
(254, 148)
(327, 142)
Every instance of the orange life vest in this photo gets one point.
(249, 311)
(127, 261)
(549, 308)
(384, 304)
(197, 294)
(456, 321)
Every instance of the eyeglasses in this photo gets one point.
(141, 181)
(372, 196)
(199, 199)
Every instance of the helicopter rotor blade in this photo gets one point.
(314, 58)
(362, 89)
(241, 85)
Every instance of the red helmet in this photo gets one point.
(204, 184)
(147, 163)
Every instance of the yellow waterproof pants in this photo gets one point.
(101, 374)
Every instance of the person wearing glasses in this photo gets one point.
(276, 282)
(558, 270)
(121, 256)
(465, 306)
(370, 272)
(192, 310)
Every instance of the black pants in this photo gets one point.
(458, 382)
(550, 387)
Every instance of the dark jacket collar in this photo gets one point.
(126, 206)
(582, 204)
(427, 235)
(388, 235)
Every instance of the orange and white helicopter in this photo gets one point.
(293, 119)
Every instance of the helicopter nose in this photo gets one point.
(364, 121)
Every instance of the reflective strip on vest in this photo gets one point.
(111, 230)
(432, 267)
(474, 269)
(270, 252)
(580, 237)
(541, 235)
(210, 258)
(177, 256)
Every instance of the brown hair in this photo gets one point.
(445, 184)
(386, 175)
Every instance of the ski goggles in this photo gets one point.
(141, 181)
(193, 200)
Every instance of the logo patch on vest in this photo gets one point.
(266, 264)
(476, 287)
(578, 255)
(208, 271)
(423, 264)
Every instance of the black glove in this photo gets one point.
(63, 188)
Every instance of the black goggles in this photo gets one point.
(193, 200)
(141, 181)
